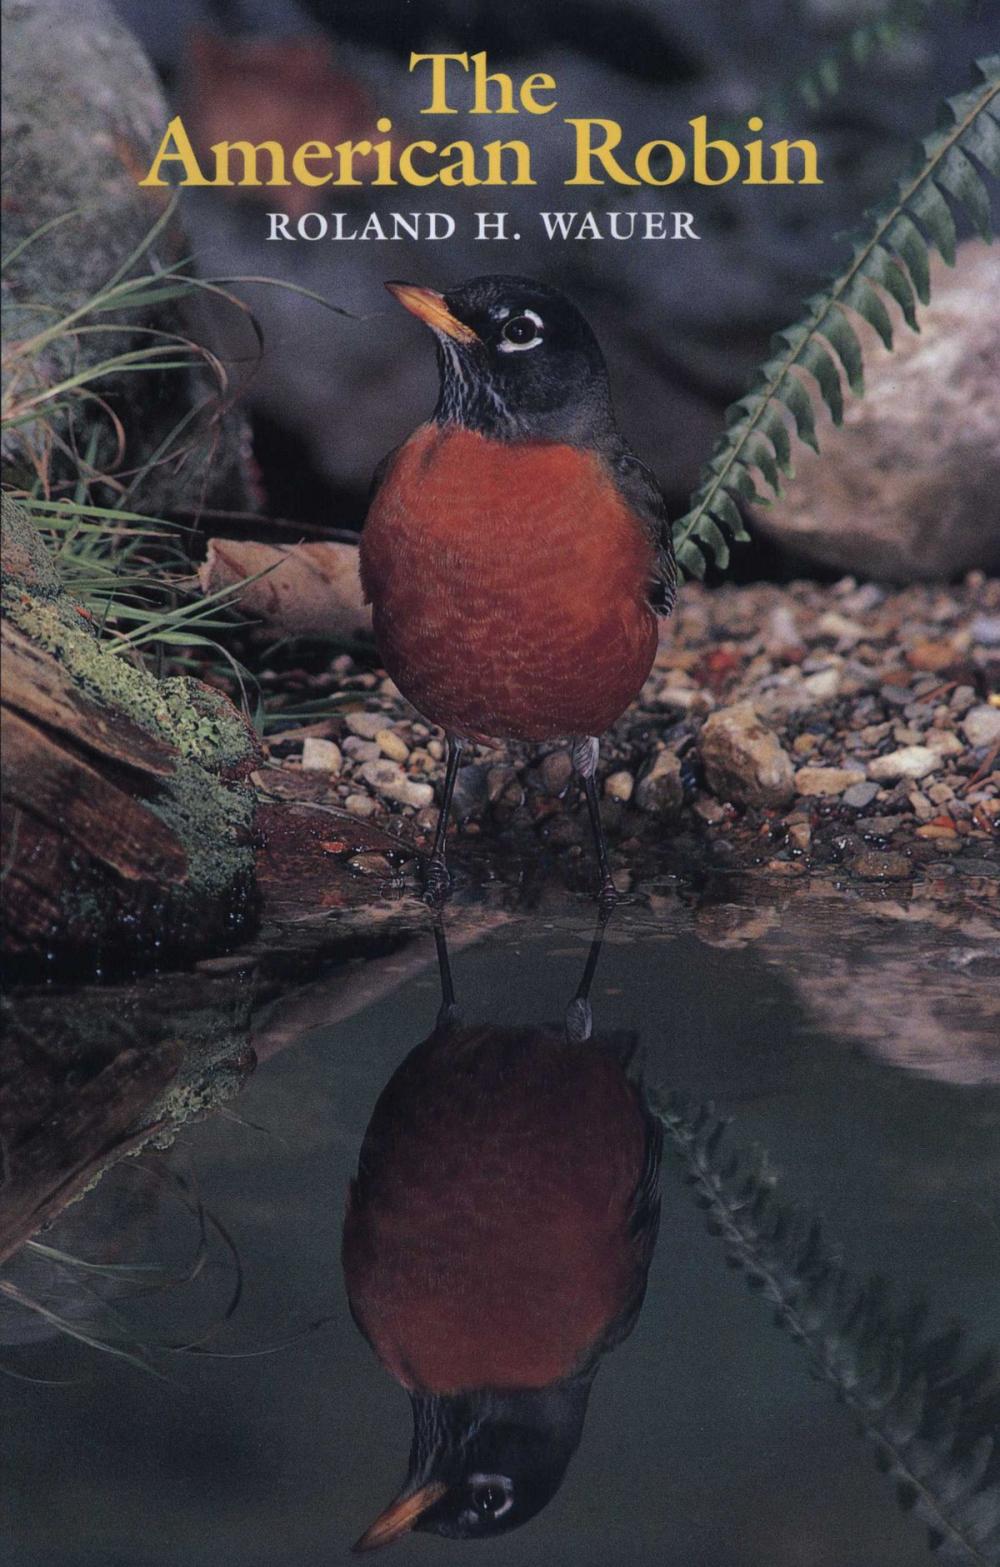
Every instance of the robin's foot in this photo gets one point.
(607, 897)
(437, 882)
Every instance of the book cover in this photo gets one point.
(501, 782)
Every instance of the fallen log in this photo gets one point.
(126, 819)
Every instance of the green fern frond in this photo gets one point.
(935, 1425)
(889, 256)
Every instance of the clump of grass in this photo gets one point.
(130, 572)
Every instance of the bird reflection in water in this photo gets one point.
(496, 1246)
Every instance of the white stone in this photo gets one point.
(823, 684)
(321, 756)
(619, 786)
(387, 778)
(360, 804)
(390, 744)
(367, 725)
(912, 761)
(981, 725)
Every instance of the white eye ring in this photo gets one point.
(502, 1483)
(506, 347)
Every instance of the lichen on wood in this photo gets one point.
(127, 821)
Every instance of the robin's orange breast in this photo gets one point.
(488, 1240)
(508, 583)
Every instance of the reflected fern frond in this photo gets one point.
(934, 1422)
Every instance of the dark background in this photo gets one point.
(683, 324)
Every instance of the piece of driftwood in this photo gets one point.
(300, 590)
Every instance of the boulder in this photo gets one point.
(908, 488)
(83, 114)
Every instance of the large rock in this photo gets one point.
(743, 761)
(126, 828)
(82, 117)
(908, 488)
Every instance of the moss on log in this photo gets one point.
(127, 822)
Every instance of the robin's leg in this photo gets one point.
(585, 753)
(579, 1018)
(448, 1013)
(437, 882)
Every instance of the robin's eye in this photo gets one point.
(491, 1495)
(523, 331)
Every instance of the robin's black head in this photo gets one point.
(483, 1463)
(517, 360)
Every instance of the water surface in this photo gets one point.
(854, 1039)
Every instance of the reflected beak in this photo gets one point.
(429, 306)
(400, 1517)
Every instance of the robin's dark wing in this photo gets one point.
(643, 1228)
(381, 471)
(644, 496)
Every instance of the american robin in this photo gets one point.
(516, 553)
(496, 1245)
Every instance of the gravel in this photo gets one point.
(795, 725)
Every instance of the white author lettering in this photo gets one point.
(388, 226)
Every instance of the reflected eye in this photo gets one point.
(523, 331)
(491, 1495)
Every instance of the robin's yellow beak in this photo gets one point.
(429, 306)
(400, 1517)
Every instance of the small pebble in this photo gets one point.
(880, 865)
(985, 629)
(470, 794)
(913, 761)
(366, 725)
(827, 780)
(895, 696)
(922, 807)
(370, 865)
(321, 756)
(391, 745)
(981, 725)
(961, 699)
(388, 779)
(940, 793)
(556, 771)
(800, 835)
(361, 750)
(859, 795)
(824, 685)
(360, 804)
(883, 826)
(619, 786)
(944, 742)
(682, 698)
(709, 810)
(502, 783)
(659, 790)
(833, 625)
